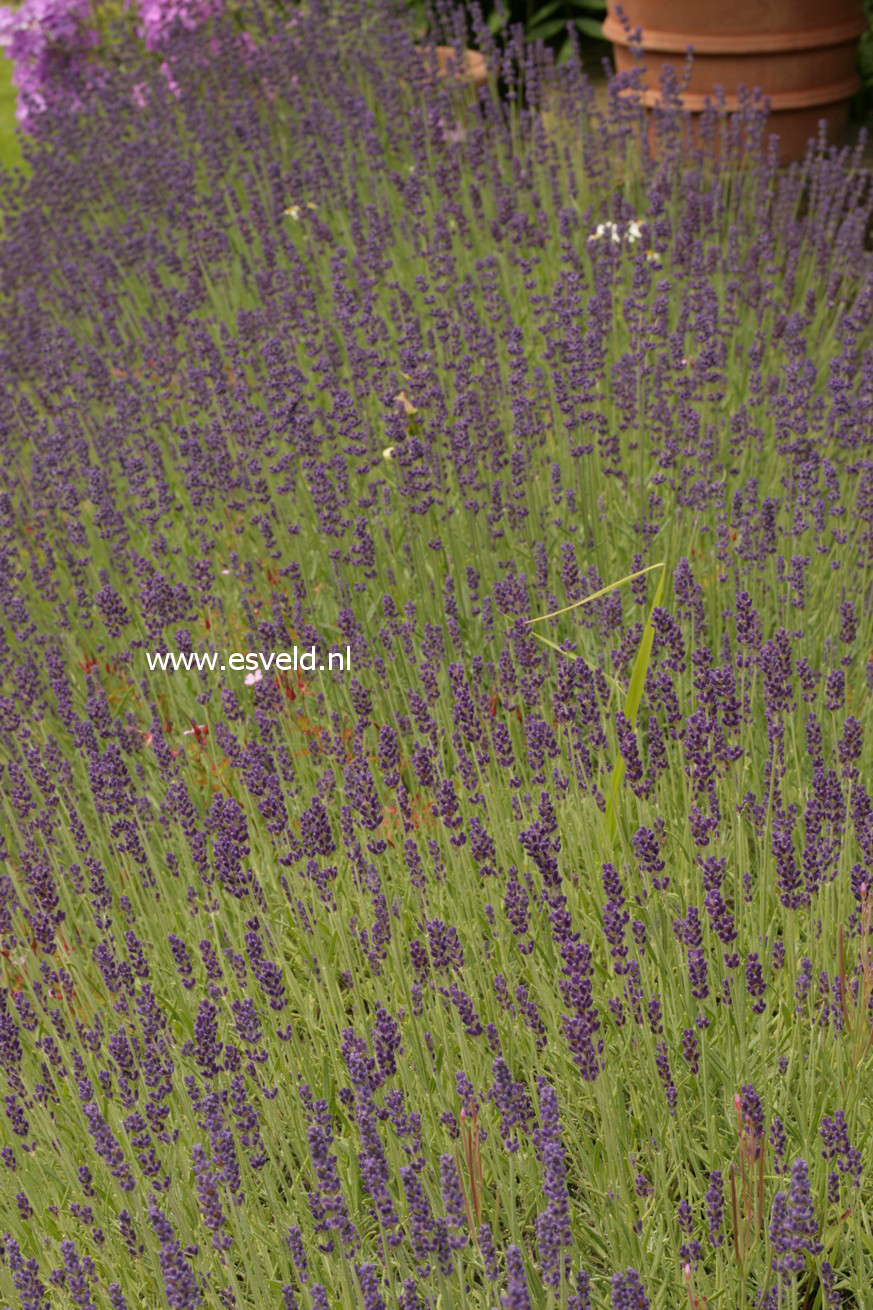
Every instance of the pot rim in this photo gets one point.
(739, 43)
(779, 101)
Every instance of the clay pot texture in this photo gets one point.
(800, 53)
(475, 69)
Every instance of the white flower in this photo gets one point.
(251, 678)
(388, 452)
(654, 258)
(616, 232)
(294, 211)
(606, 229)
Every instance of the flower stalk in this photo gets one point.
(473, 1161)
(856, 1009)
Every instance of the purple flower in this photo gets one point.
(835, 690)
(648, 853)
(777, 1142)
(25, 1276)
(531, 1016)
(517, 1295)
(581, 1299)
(630, 754)
(409, 1298)
(755, 985)
(553, 1225)
(513, 1103)
(793, 1227)
(835, 1135)
(208, 1195)
(75, 1276)
(715, 1208)
(691, 1049)
(663, 1065)
(453, 1200)
(387, 1041)
(422, 1225)
(832, 1297)
(373, 1299)
(180, 1285)
(628, 1292)
(489, 1256)
(615, 918)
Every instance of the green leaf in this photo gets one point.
(638, 675)
(641, 664)
(865, 57)
(590, 6)
(546, 30)
(632, 704)
(496, 21)
(590, 27)
(595, 595)
(542, 14)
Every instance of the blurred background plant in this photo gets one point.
(54, 52)
(549, 22)
(863, 106)
(48, 45)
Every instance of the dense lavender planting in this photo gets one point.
(484, 973)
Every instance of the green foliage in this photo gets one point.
(547, 22)
(10, 150)
(552, 20)
(864, 99)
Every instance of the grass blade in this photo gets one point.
(632, 703)
(595, 595)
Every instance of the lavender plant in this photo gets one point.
(480, 972)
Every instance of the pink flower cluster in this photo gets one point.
(160, 18)
(52, 44)
(48, 42)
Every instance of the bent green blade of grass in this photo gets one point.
(637, 678)
(632, 704)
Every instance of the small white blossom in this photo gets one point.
(251, 678)
(388, 452)
(606, 229)
(294, 211)
(628, 232)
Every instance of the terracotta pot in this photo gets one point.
(475, 69)
(800, 53)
